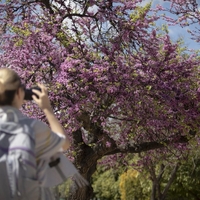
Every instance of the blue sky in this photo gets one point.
(177, 31)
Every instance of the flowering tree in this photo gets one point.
(117, 83)
(187, 13)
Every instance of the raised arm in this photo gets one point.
(44, 103)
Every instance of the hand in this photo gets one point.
(43, 100)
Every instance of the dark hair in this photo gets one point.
(7, 98)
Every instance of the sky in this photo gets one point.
(176, 31)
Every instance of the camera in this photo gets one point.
(29, 92)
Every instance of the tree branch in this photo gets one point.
(146, 146)
(172, 177)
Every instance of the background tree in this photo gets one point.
(186, 14)
(185, 186)
(106, 184)
(116, 82)
(134, 185)
(156, 180)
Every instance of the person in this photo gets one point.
(48, 140)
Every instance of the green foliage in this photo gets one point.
(140, 12)
(119, 183)
(62, 191)
(106, 184)
(130, 184)
(186, 185)
(21, 31)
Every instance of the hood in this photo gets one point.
(10, 114)
(9, 119)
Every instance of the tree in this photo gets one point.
(117, 84)
(156, 180)
(161, 184)
(106, 184)
(187, 13)
(134, 185)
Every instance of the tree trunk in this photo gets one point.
(85, 193)
(86, 161)
(153, 191)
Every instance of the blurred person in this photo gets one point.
(17, 160)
